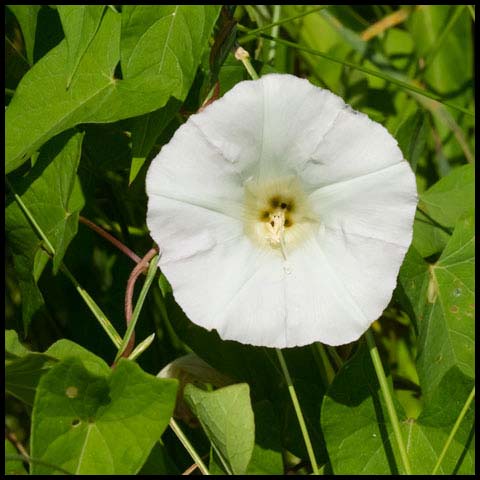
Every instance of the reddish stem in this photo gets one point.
(141, 267)
(110, 238)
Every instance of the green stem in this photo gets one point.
(329, 372)
(382, 379)
(152, 270)
(252, 33)
(435, 48)
(336, 357)
(31, 460)
(95, 309)
(369, 71)
(31, 218)
(298, 411)
(188, 446)
(454, 430)
(276, 17)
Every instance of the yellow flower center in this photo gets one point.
(277, 213)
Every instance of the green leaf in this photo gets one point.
(427, 25)
(440, 207)
(226, 416)
(13, 467)
(27, 18)
(267, 451)
(398, 47)
(13, 347)
(317, 32)
(429, 237)
(51, 193)
(159, 462)
(80, 24)
(42, 107)
(442, 298)
(447, 332)
(411, 136)
(360, 438)
(22, 375)
(165, 41)
(446, 51)
(441, 412)
(62, 349)
(452, 197)
(145, 130)
(355, 421)
(99, 424)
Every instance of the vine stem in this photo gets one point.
(131, 317)
(188, 446)
(298, 411)
(454, 430)
(382, 379)
(123, 248)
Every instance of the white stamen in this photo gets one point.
(276, 230)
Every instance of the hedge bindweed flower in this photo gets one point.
(282, 215)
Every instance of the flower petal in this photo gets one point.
(353, 147)
(319, 307)
(219, 278)
(367, 268)
(271, 125)
(190, 169)
(376, 205)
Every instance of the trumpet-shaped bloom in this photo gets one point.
(282, 215)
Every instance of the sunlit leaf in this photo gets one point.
(165, 41)
(13, 347)
(360, 437)
(226, 416)
(52, 195)
(101, 424)
(80, 24)
(27, 18)
(442, 297)
(13, 467)
(451, 198)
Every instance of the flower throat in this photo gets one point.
(277, 213)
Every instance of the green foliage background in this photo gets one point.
(92, 93)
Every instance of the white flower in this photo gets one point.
(282, 215)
